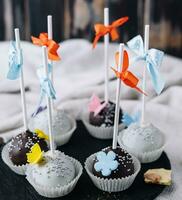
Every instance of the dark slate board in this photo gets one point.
(81, 145)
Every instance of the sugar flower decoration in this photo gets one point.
(106, 163)
(41, 134)
(35, 155)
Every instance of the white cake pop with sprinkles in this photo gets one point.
(61, 123)
(53, 171)
(142, 139)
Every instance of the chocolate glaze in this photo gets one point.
(106, 117)
(21, 144)
(126, 165)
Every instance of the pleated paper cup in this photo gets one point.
(99, 131)
(61, 139)
(54, 192)
(18, 169)
(111, 185)
(144, 157)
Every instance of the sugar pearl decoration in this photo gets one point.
(61, 123)
(142, 139)
(21, 144)
(106, 117)
(53, 171)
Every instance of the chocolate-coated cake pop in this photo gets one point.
(105, 117)
(113, 163)
(21, 144)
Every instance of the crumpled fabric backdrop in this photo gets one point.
(77, 76)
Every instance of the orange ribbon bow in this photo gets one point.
(126, 76)
(52, 46)
(101, 30)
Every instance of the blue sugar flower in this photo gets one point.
(106, 163)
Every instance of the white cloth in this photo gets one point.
(78, 75)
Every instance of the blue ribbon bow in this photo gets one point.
(45, 84)
(15, 62)
(46, 87)
(128, 119)
(153, 58)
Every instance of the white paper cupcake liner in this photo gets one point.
(54, 192)
(62, 139)
(99, 132)
(145, 157)
(18, 169)
(111, 185)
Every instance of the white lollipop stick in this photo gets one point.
(22, 88)
(146, 47)
(147, 12)
(49, 29)
(116, 118)
(106, 48)
(50, 36)
(44, 57)
(49, 26)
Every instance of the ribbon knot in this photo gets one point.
(51, 45)
(15, 62)
(46, 88)
(101, 30)
(126, 76)
(153, 59)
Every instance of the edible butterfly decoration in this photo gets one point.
(128, 119)
(41, 134)
(126, 76)
(35, 155)
(95, 105)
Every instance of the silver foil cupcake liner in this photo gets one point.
(111, 185)
(144, 157)
(54, 192)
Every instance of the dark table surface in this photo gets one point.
(81, 145)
